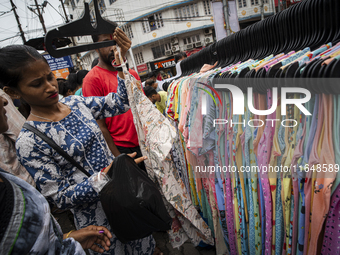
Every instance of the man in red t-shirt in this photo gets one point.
(119, 131)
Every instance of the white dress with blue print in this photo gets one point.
(79, 135)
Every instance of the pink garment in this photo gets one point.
(229, 195)
(297, 154)
(313, 159)
(263, 156)
(185, 115)
(275, 61)
(185, 105)
(207, 67)
(324, 181)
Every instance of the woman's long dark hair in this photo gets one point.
(13, 59)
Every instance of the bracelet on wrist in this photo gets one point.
(113, 63)
(69, 233)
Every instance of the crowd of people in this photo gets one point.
(88, 116)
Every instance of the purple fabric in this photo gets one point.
(263, 152)
(229, 195)
(331, 244)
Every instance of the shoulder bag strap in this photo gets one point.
(50, 142)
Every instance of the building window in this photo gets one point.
(112, 1)
(73, 4)
(152, 23)
(146, 27)
(128, 31)
(139, 58)
(207, 10)
(186, 12)
(159, 51)
(102, 6)
(243, 3)
(191, 39)
(254, 2)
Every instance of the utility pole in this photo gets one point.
(72, 39)
(19, 25)
(66, 17)
(226, 16)
(40, 16)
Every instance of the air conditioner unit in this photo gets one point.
(208, 40)
(174, 40)
(207, 31)
(189, 46)
(198, 44)
(168, 52)
(175, 48)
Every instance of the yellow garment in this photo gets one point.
(176, 102)
(162, 104)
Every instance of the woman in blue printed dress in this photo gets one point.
(71, 123)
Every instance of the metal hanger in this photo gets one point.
(80, 27)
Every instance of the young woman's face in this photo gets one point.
(38, 87)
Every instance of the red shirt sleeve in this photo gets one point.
(92, 84)
(135, 74)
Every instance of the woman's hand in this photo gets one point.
(132, 155)
(137, 160)
(90, 237)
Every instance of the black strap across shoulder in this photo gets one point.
(56, 147)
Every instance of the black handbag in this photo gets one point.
(131, 201)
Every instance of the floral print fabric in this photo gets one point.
(79, 135)
(156, 136)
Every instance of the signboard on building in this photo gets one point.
(142, 68)
(163, 64)
(58, 63)
(61, 73)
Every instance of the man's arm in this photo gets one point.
(108, 137)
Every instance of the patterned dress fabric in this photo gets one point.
(59, 181)
(156, 136)
(8, 156)
(32, 229)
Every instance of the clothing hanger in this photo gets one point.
(336, 11)
(313, 73)
(335, 73)
(291, 28)
(328, 30)
(305, 26)
(80, 27)
(291, 69)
